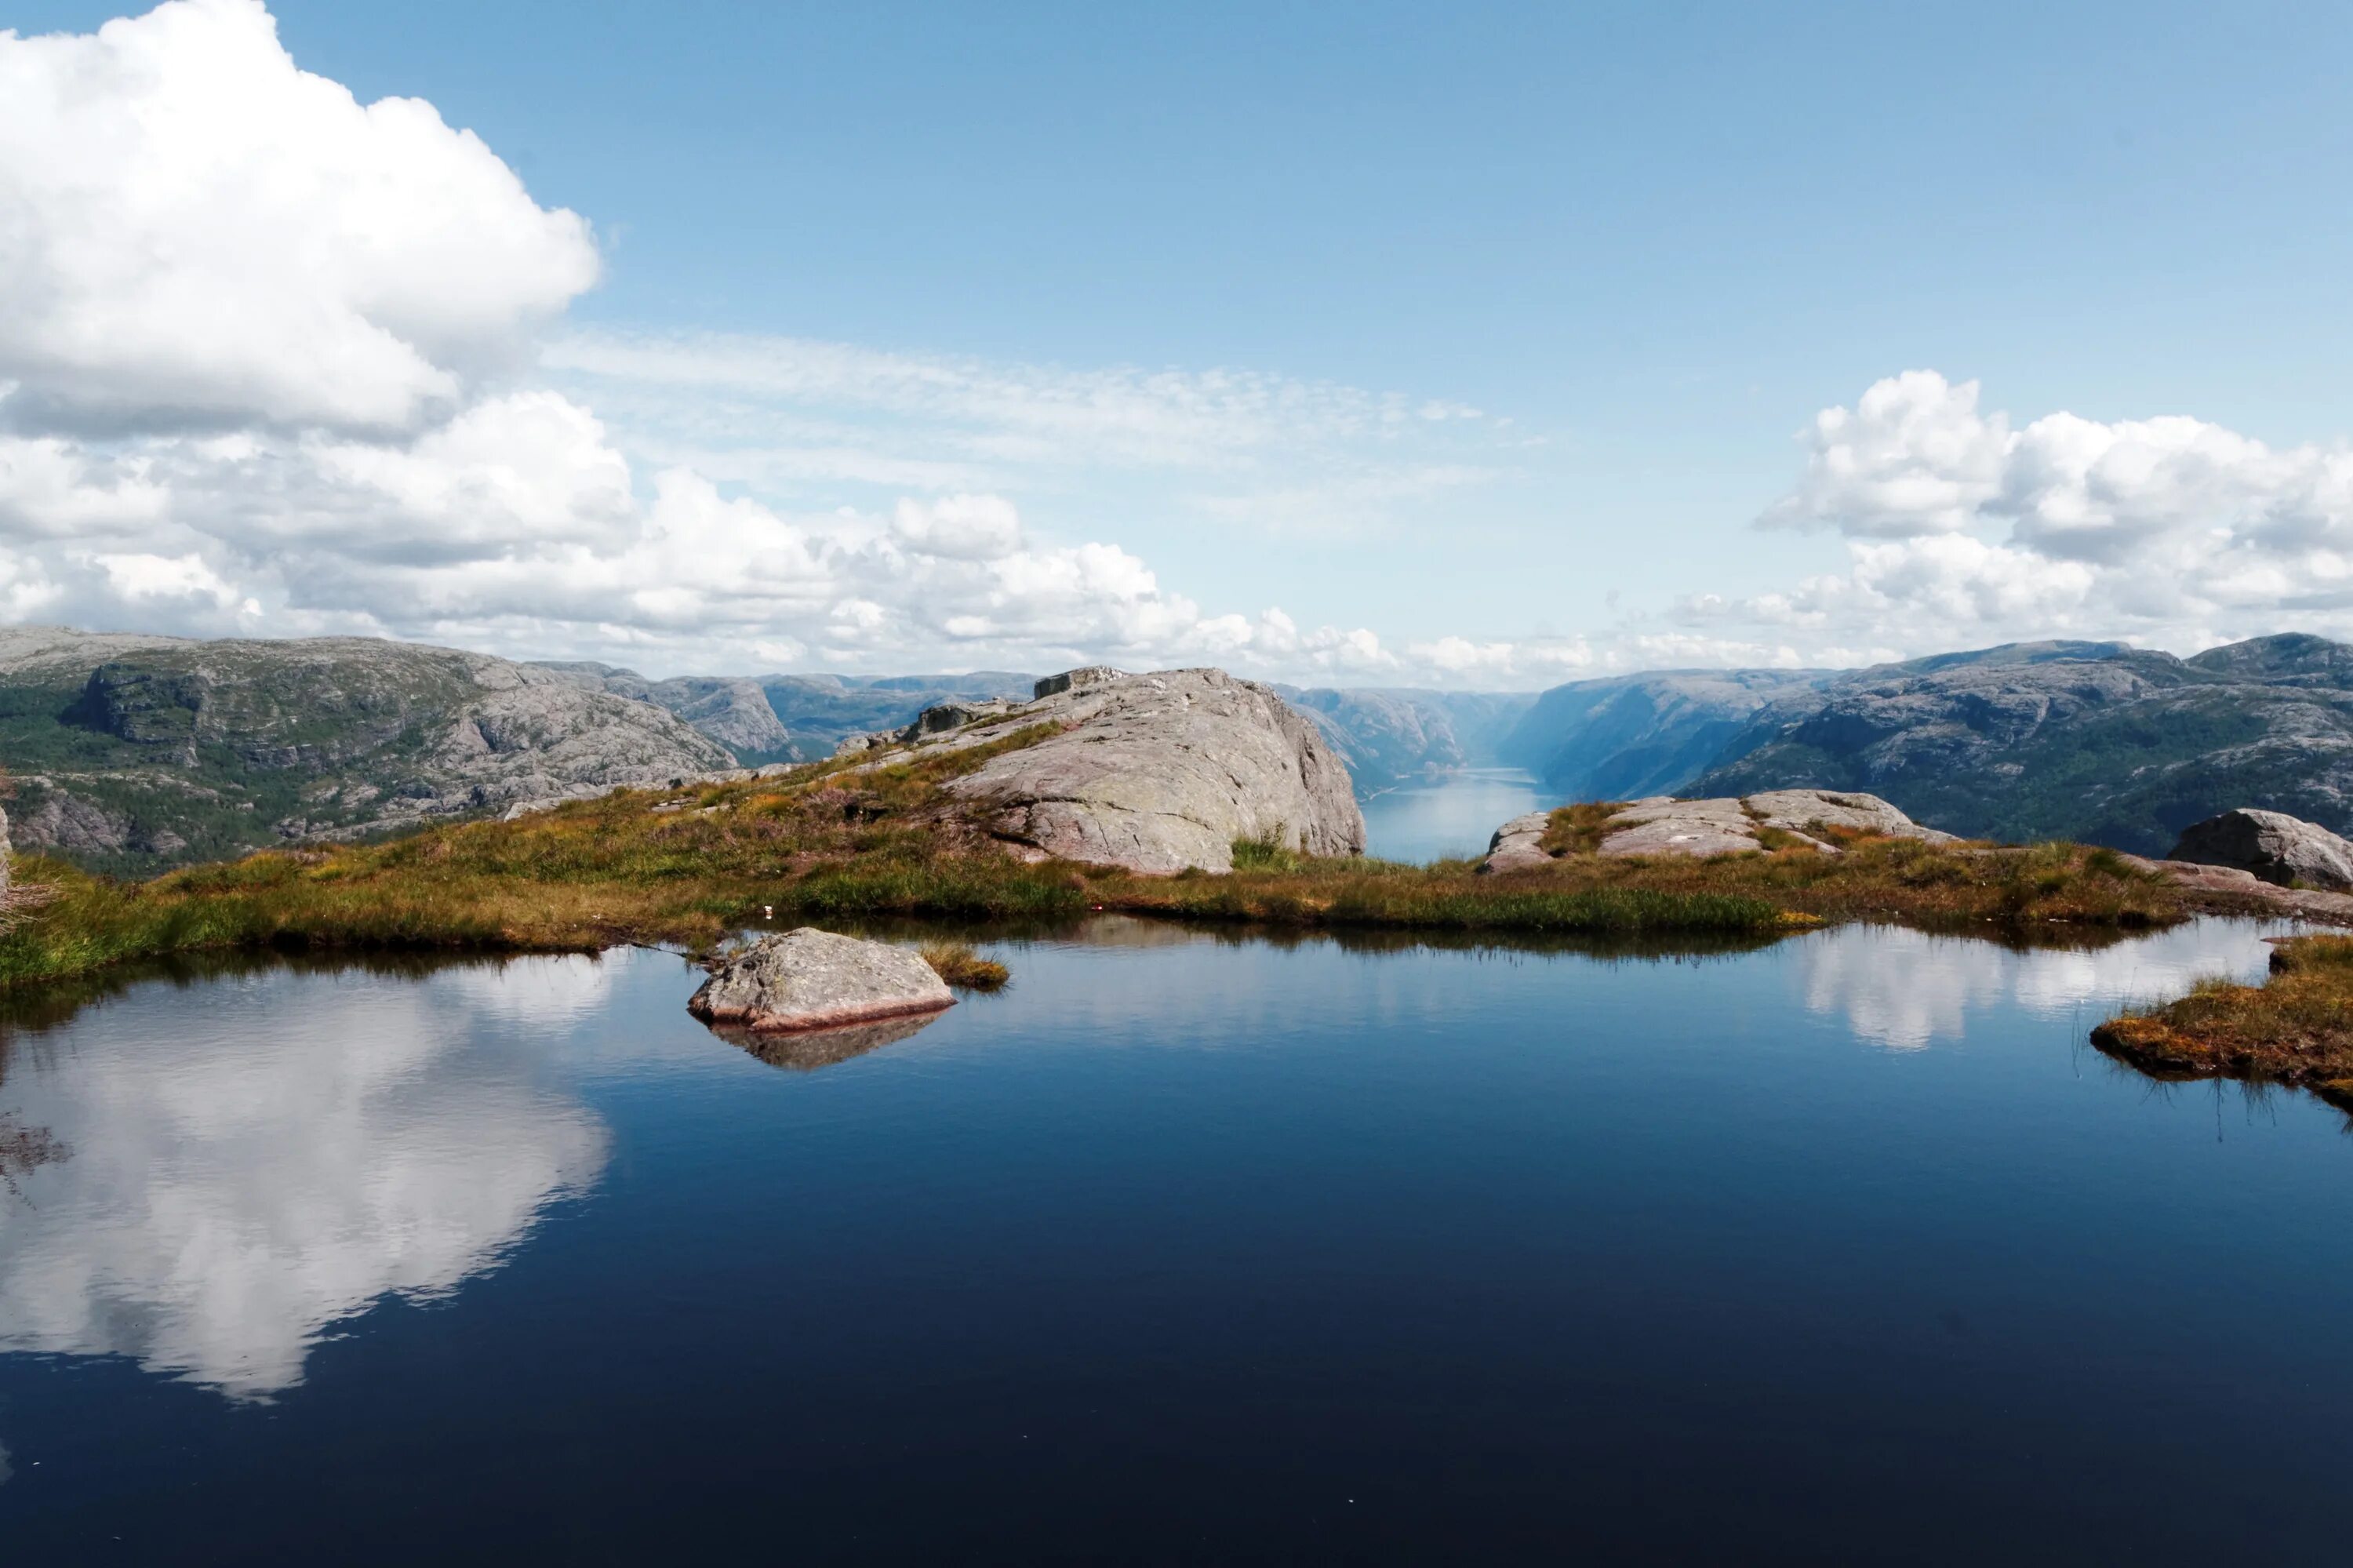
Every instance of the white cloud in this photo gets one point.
(194, 231)
(970, 527)
(1964, 529)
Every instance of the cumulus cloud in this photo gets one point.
(1963, 527)
(195, 232)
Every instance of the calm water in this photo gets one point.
(1183, 1249)
(1455, 816)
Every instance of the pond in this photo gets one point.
(1188, 1247)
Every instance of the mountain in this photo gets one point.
(1625, 737)
(821, 711)
(2097, 742)
(731, 710)
(133, 752)
(1394, 735)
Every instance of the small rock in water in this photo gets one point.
(808, 978)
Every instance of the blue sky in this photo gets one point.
(1646, 244)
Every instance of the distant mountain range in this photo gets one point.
(133, 752)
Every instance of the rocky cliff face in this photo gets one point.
(732, 710)
(2089, 741)
(131, 752)
(1159, 772)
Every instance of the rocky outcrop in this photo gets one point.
(1718, 825)
(1076, 679)
(1693, 828)
(1159, 772)
(809, 979)
(1517, 844)
(2271, 845)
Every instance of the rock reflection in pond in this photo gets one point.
(299, 1150)
(1908, 990)
(806, 1049)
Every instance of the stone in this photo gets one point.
(2272, 845)
(1514, 845)
(1694, 828)
(1797, 810)
(1077, 680)
(1723, 824)
(808, 978)
(944, 716)
(1161, 772)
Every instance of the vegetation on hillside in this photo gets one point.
(2297, 1028)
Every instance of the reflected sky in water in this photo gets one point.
(248, 1165)
(1193, 1244)
(1907, 989)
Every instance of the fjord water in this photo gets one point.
(1448, 818)
(1189, 1247)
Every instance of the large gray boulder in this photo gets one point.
(2272, 845)
(809, 979)
(1723, 824)
(1159, 772)
(1517, 844)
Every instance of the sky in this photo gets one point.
(1477, 347)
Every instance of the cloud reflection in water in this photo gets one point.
(243, 1173)
(1907, 989)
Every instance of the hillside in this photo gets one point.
(731, 710)
(1390, 735)
(133, 752)
(1625, 737)
(2095, 742)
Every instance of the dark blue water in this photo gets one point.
(1186, 1249)
(1451, 818)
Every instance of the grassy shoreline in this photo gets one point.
(2295, 1028)
(688, 866)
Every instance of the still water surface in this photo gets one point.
(1188, 1248)
(1451, 817)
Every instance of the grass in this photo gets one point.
(2297, 1028)
(1878, 878)
(958, 964)
(1577, 830)
(836, 841)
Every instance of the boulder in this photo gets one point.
(1156, 773)
(1516, 844)
(808, 978)
(2272, 845)
(1696, 828)
(1723, 824)
(1075, 680)
(1796, 810)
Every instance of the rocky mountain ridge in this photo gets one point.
(131, 752)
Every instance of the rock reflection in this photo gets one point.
(806, 1049)
(1907, 989)
(284, 1162)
